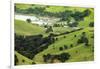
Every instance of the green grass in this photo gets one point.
(24, 28)
(57, 9)
(21, 58)
(84, 53)
(23, 6)
(61, 29)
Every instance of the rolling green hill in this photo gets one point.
(78, 51)
(24, 28)
(84, 53)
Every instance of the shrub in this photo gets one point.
(91, 24)
(23, 60)
(92, 36)
(83, 39)
(79, 41)
(83, 33)
(16, 60)
(64, 36)
(47, 57)
(33, 63)
(64, 56)
(28, 20)
(61, 48)
(76, 51)
(71, 45)
(49, 29)
(74, 35)
(56, 38)
(65, 47)
(86, 12)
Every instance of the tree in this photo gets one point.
(28, 20)
(91, 24)
(64, 56)
(83, 33)
(23, 60)
(74, 35)
(64, 36)
(33, 63)
(83, 39)
(16, 60)
(65, 47)
(61, 48)
(77, 16)
(86, 12)
(49, 29)
(71, 45)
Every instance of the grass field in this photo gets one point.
(21, 58)
(83, 52)
(24, 28)
(79, 52)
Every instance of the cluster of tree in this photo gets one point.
(80, 15)
(61, 57)
(83, 39)
(41, 12)
(74, 24)
(63, 48)
(60, 25)
(57, 25)
(15, 60)
(64, 16)
(68, 32)
(49, 29)
(29, 46)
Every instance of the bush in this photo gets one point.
(16, 60)
(86, 12)
(64, 36)
(92, 36)
(56, 38)
(28, 20)
(49, 29)
(47, 57)
(71, 45)
(63, 57)
(33, 63)
(65, 47)
(83, 33)
(61, 48)
(76, 51)
(74, 35)
(79, 41)
(83, 39)
(23, 60)
(91, 24)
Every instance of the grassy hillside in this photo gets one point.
(56, 9)
(69, 35)
(22, 60)
(24, 28)
(23, 6)
(84, 53)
